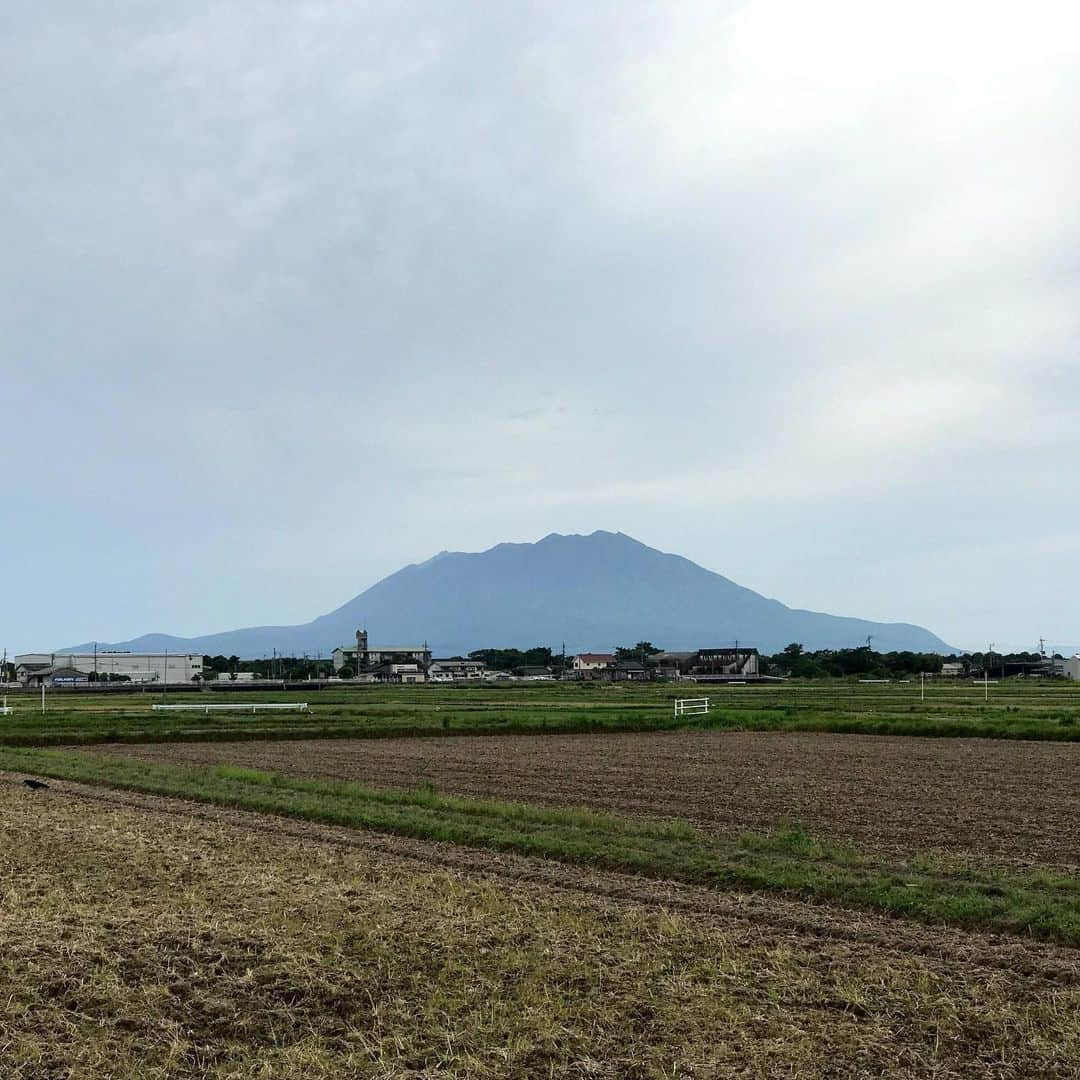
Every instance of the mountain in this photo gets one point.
(591, 592)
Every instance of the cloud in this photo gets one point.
(335, 285)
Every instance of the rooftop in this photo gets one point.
(387, 648)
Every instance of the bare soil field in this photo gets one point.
(150, 937)
(1006, 801)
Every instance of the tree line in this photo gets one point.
(794, 661)
(798, 663)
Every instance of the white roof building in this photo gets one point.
(149, 667)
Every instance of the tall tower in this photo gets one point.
(361, 642)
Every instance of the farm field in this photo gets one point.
(1006, 801)
(544, 881)
(150, 937)
(1017, 709)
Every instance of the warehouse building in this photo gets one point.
(1069, 668)
(133, 667)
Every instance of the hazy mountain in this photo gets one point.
(591, 592)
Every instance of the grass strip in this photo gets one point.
(76, 728)
(788, 860)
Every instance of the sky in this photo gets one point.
(293, 294)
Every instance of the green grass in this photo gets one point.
(787, 860)
(1016, 710)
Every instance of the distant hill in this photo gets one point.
(593, 592)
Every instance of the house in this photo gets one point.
(362, 656)
(627, 671)
(394, 673)
(952, 669)
(535, 673)
(53, 675)
(588, 665)
(24, 671)
(455, 669)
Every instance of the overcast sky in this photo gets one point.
(292, 294)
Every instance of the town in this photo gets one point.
(362, 663)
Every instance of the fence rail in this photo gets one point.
(694, 706)
(298, 706)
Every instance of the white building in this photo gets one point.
(406, 673)
(1069, 668)
(593, 661)
(137, 667)
(362, 655)
(456, 671)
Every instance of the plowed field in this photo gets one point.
(149, 937)
(1010, 802)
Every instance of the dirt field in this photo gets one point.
(145, 937)
(1011, 802)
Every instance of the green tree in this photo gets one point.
(640, 652)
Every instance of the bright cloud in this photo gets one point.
(330, 286)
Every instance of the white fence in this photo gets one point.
(298, 706)
(691, 706)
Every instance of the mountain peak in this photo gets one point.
(597, 536)
(591, 591)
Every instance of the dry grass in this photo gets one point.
(141, 943)
(788, 859)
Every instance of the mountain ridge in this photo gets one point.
(592, 591)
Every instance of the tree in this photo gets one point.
(639, 652)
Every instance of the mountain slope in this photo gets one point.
(592, 592)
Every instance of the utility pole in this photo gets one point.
(165, 677)
(986, 671)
